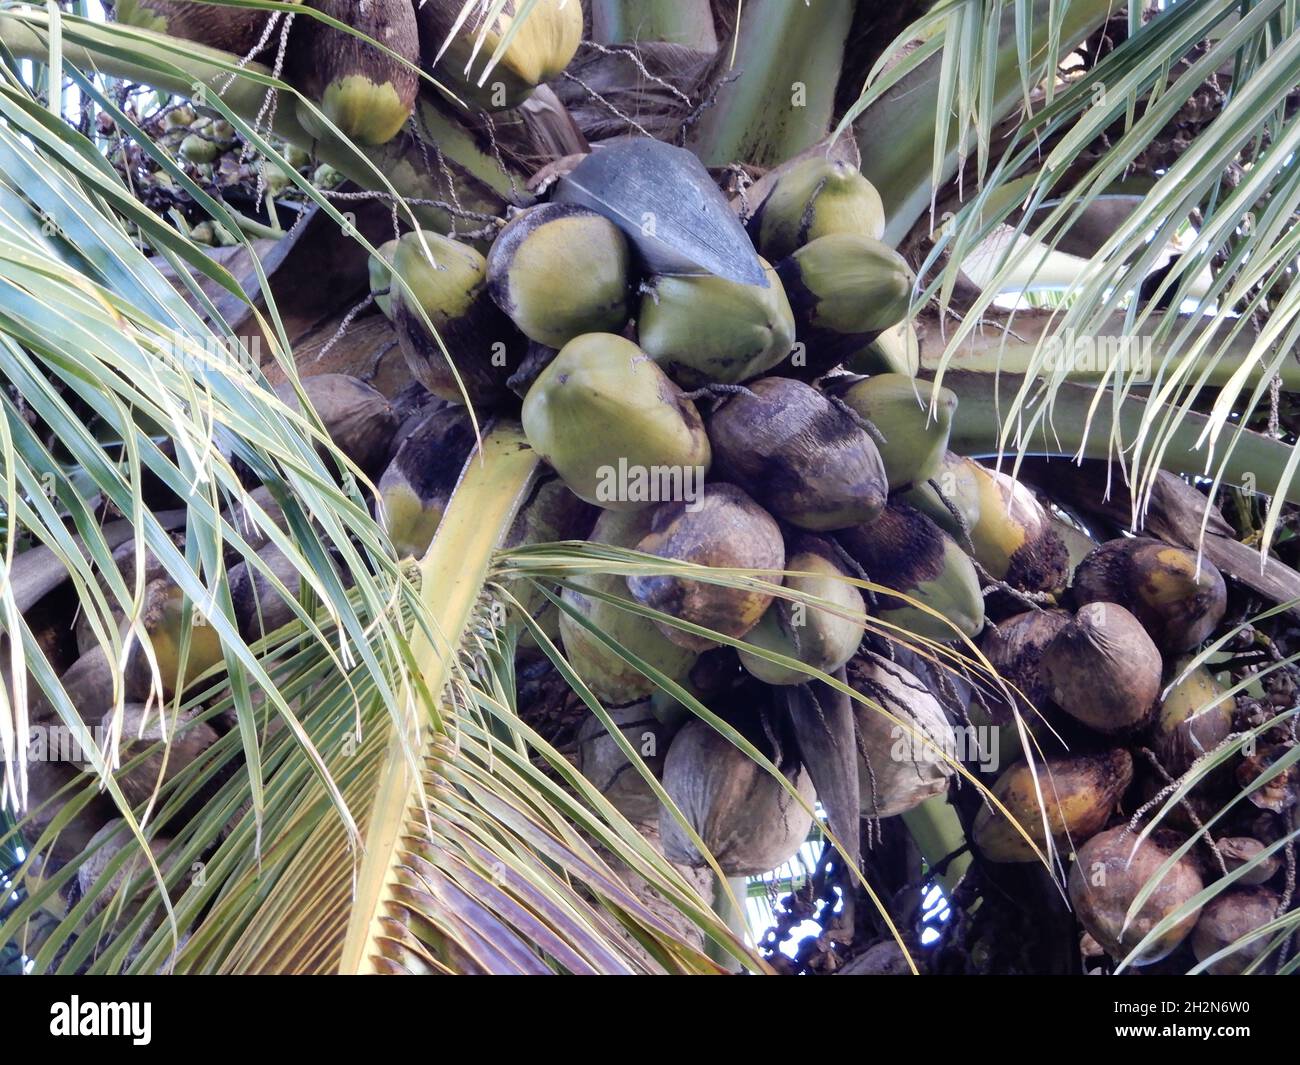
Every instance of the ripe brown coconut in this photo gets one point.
(1103, 670)
(746, 819)
(1178, 603)
(802, 457)
(1110, 870)
(51, 787)
(1014, 648)
(359, 419)
(361, 89)
(1013, 538)
(603, 762)
(1228, 918)
(109, 842)
(900, 763)
(1195, 716)
(1238, 850)
(726, 530)
(1079, 792)
(141, 730)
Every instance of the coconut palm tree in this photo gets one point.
(1098, 204)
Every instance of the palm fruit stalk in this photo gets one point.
(704, 329)
(1108, 873)
(809, 634)
(1230, 917)
(746, 819)
(541, 46)
(844, 290)
(602, 761)
(901, 762)
(614, 427)
(380, 267)
(558, 271)
(1079, 792)
(1178, 600)
(232, 29)
(450, 291)
(904, 550)
(1013, 538)
(1014, 647)
(614, 681)
(725, 529)
(1195, 716)
(365, 92)
(806, 460)
(913, 418)
(1103, 670)
(417, 485)
(951, 498)
(813, 198)
(358, 418)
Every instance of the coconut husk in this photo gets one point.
(1103, 670)
(1179, 599)
(727, 530)
(358, 418)
(1228, 918)
(801, 456)
(1014, 648)
(141, 729)
(901, 761)
(603, 763)
(1078, 792)
(1110, 870)
(746, 819)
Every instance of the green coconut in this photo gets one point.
(704, 329)
(914, 418)
(363, 91)
(812, 635)
(558, 271)
(814, 198)
(614, 427)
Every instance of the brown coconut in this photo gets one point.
(1230, 917)
(746, 819)
(900, 762)
(1079, 793)
(1103, 670)
(603, 762)
(1014, 648)
(359, 419)
(727, 529)
(189, 737)
(805, 459)
(1110, 870)
(1238, 850)
(1178, 602)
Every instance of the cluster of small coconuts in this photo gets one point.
(760, 415)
